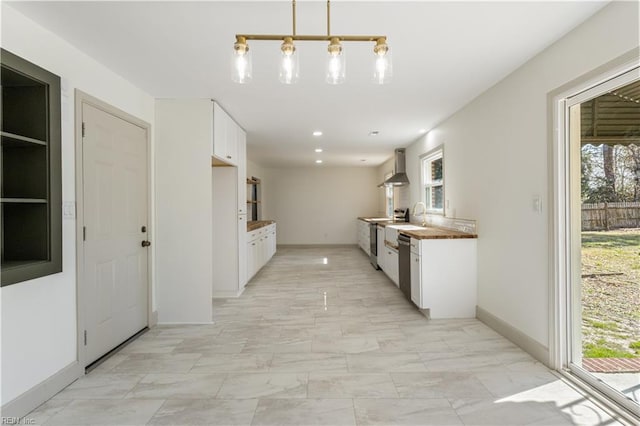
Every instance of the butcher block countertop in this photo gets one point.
(252, 225)
(431, 233)
(379, 220)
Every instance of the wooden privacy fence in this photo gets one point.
(599, 216)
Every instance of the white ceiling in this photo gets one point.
(444, 55)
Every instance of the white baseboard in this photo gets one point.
(529, 345)
(289, 246)
(154, 319)
(23, 404)
(226, 294)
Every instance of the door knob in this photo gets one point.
(146, 243)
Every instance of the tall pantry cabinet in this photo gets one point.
(201, 210)
(229, 189)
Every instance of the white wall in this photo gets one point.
(496, 161)
(319, 205)
(184, 273)
(39, 316)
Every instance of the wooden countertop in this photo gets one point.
(432, 233)
(379, 220)
(252, 225)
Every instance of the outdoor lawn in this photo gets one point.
(611, 294)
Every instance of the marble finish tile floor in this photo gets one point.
(278, 355)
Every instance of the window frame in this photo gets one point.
(388, 196)
(427, 159)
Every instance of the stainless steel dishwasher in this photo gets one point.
(404, 265)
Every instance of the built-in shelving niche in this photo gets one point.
(30, 193)
(253, 203)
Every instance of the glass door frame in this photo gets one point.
(565, 302)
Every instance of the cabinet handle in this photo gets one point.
(417, 260)
(229, 157)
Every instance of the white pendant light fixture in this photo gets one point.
(289, 68)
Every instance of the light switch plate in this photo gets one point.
(69, 209)
(536, 204)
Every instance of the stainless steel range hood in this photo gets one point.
(399, 177)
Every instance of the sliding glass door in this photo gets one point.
(603, 238)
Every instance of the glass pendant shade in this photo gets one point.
(383, 68)
(241, 67)
(289, 65)
(382, 65)
(336, 72)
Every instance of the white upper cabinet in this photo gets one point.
(225, 137)
(241, 140)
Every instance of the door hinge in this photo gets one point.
(85, 337)
(84, 233)
(83, 129)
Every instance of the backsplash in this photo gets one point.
(462, 225)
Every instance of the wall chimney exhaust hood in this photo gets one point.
(399, 177)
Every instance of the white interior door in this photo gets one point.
(115, 204)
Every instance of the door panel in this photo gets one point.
(602, 310)
(115, 210)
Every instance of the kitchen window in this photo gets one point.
(388, 194)
(433, 181)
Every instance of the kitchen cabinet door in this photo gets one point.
(241, 142)
(220, 121)
(416, 280)
(231, 152)
(264, 243)
(225, 135)
(251, 259)
(272, 245)
(242, 251)
(391, 262)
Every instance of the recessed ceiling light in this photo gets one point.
(422, 130)
(374, 133)
(318, 149)
(318, 161)
(317, 133)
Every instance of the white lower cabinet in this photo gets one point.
(364, 236)
(261, 246)
(446, 277)
(242, 250)
(391, 264)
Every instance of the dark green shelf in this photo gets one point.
(30, 164)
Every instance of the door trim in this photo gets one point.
(82, 98)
